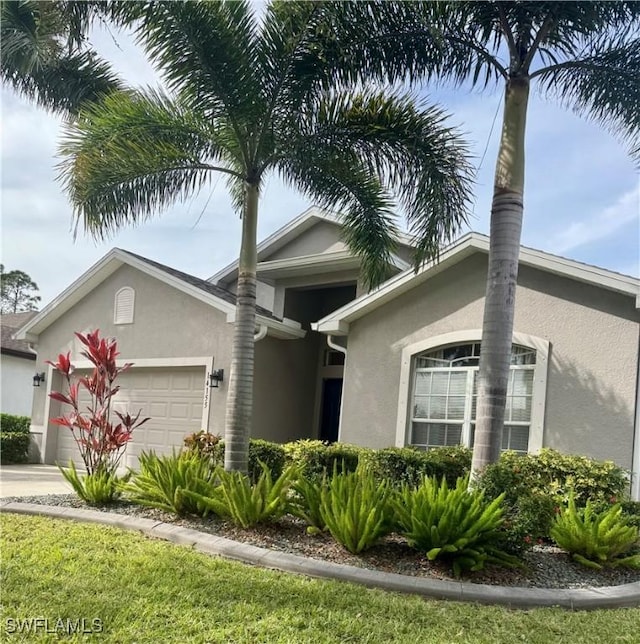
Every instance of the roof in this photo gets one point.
(198, 282)
(10, 323)
(290, 231)
(211, 294)
(337, 323)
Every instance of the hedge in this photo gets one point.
(14, 447)
(14, 424)
(209, 446)
(316, 458)
(536, 486)
(407, 465)
(556, 474)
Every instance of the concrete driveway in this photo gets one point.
(31, 480)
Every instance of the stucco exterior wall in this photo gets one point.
(171, 325)
(592, 362)
(16, 385)
(321, 238)
(264, 293)
(168, 324)
(285, 388)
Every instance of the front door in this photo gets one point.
(330, 414)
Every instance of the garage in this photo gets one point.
(172, 397)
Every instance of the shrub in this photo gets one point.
(260, 451)
(267, 453)
(631, 512)
(408, 465)
(10, 424)
(202, 443)
(596, 539)
(535, 485)
(14, 447)
(551, 472)
(248, 504)
(527, 522)
(452, 523)
(101, 442)
(96, 488)
(305, 502)
(163, 482)
(356, 509)
(317, 459)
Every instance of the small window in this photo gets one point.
(123, 306)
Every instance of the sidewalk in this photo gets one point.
(31, 480)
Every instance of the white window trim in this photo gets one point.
(539, 391)
(129, 320)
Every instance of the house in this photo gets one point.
(396, 366)
(17, 366)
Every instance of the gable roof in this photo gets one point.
(198, 282)
(291, 231)
(211, 294)
(10, 323)
(337, 323)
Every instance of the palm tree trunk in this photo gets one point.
(497, 327)
(240, 394)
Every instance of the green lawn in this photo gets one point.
(145, 590)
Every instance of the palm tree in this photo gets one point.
(247, 97)
(586, 55)
(46, 57)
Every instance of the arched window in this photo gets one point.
(124, 305)
(445, 392)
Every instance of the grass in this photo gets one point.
(145, 590)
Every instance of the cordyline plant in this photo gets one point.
(100, 441)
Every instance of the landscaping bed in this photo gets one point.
(545, 566)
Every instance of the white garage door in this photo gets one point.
(171, 397)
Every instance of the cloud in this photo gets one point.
(572, 167)
(602, 224)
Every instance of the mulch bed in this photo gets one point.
(545, 566)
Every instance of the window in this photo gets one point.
(123, 306)
(445, 395)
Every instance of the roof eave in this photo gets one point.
(296, 226)
(285, 329)
(280, 237)
(398, 285)
(331, 327)
(105, 267)
(16, 353)
(467, 245)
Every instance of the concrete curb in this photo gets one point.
(514, 597)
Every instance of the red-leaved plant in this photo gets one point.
(100, 441)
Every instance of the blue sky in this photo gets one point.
(582, 196)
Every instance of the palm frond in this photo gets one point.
(237, 191)
(340, 182)
(66, 84)
(389, 41)
(603, 85)
(41, 58)
(288, 64)
(133, 154)
(204, 49)
(30, 36)
(406, 41)
(410, 150)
